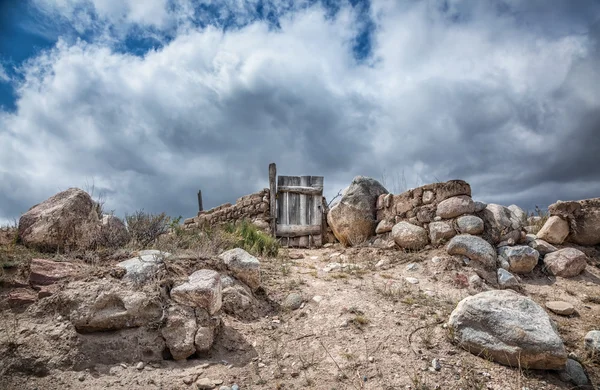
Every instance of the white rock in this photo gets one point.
(144, 266)
(203, 289)
(243, 265)
(332, 267)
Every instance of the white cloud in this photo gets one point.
(437, 99)
(3, 75)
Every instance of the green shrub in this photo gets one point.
(248, 237)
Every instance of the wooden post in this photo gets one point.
(200, 208)
(272, 200)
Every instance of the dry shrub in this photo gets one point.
(543, 217)
(145, 228)
(113, 233)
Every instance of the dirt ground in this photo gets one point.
(364, 326)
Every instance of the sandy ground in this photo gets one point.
(362, 327)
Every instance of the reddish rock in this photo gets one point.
(45, 272)
(21, 297)
(47, 291)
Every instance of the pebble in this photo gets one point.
(261, 365)
(371, 359)
(317, 298)
(224, 388)
(436, 365)
(205, 384)
(140, 366)
(412, 280)
(412, 267)
(436, 259)
(235, 387)
(81, 377)
(382, 263)
(293, 301)
(332, 267)
(560, 307)
(188, 380)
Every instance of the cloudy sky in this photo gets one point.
(149, 101)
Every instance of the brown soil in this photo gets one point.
(363, 327)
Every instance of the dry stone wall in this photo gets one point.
(428, 215)
(418, 206)
(253, 207)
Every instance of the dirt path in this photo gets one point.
(377, 323)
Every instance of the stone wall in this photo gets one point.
(253, 207)
(428, 215)
(419, 205)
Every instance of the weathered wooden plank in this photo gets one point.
(305, 190)
(294, 206)
(317, 211)
(272, 198)
(281, 203)
(297, 230)
(303, 210)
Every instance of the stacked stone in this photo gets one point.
(430, 214)
(253, 207)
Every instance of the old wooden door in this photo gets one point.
(300, 210)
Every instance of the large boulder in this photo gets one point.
(475, 248)
(501, 224)
(518, 259)
(66, 220)
(519, 213)
(354, 218)
(243, 265)
(567, 262)
(440, 232)
(409, 236)
(469, 224)
(554, 231)
(583, 217)
(455, 206)
(202, 290)
(508, 328)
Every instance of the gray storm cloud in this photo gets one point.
(502, 95)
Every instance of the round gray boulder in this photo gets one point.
(409, 236)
